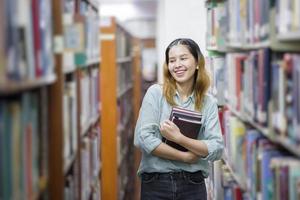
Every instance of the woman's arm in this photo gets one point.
(172, 133)
(165, 151)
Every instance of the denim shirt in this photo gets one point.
(147, 136)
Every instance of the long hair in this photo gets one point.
(201, 81)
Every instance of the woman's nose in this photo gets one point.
(177, 63)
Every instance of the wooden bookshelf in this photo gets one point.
(120, 97)
(74, 120)
(140, 87)
(14, 87)
(27, 74)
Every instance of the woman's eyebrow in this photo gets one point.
(184, 54)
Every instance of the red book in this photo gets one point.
(37, 38)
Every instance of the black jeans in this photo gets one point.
(173, 186)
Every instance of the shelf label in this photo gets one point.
(105, 22)
(58, 44)
(107, 36)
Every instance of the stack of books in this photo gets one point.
(189, 122)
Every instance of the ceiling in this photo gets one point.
(137, 16)
(125, 1)
(132, 8)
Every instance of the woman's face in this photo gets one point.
(182, 64)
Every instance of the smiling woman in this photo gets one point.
(167, 172)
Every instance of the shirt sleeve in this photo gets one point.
(213, 135)
(147, 126)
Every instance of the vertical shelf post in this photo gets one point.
(108, 85)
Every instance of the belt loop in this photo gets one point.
(184, 174)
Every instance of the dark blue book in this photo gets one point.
(266, 173)
(252, 137)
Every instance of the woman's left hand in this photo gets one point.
(170, 131)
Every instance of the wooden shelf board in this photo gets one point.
(69, 162)
(69, 69)
(124, 59)
(92, 121)
(124, 91)
(12, 87)
(240, 181)
(292, 36)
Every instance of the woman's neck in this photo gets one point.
(184, 90)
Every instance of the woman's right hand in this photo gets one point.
(190, 157)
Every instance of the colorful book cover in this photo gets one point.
(7, 161)
(266, 173)
(251, 140)
(16, 149)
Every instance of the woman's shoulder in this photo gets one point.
(155, 89)
(209, 100)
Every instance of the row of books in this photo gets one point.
(231, 189)
(25, 40)
(24, 145)
(248, 21)
(215, 65)
(71, 185)
(125, 110)
(266, 159)
(70, 122)
(91, 29)
(123, 43)
(82, 179)
(89, 93)
(125, 147)
(81, 44)
(260, 166)
(215, 33)
(246, 24)
(90, 162)
(288, 13)
(125, 79)
(262, 81)
(260, 86)
(126, 170)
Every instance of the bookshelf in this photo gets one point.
(74, 120)
(26, 76)
(120, 96)
(254, 52)
(49, 100)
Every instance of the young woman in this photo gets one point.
(167, 173)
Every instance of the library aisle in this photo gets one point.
(72, 82)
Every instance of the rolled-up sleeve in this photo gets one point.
(147, 126)
(213, 135)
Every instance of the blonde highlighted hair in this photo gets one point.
(201, 81)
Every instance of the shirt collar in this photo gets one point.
(190, 97)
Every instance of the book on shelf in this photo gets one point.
(189, 122)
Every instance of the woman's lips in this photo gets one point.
(180, 72)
